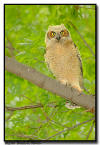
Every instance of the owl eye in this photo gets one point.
(53, 34)
(64, 33)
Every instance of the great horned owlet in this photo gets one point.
(62, 57)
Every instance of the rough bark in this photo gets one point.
(35, 77)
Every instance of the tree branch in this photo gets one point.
(22, 108)
(70, 128)
(91, 128)
(82, 38)
(28, 107)
(11, 114)
(77, 7)
(35, 77)
(11, 48)
(28, 137)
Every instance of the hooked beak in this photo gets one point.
(58, 37)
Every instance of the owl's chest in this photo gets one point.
(59, 55)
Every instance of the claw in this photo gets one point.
(78, 88)
(92, 110)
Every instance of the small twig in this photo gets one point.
(28, 99)
(82, 38)
(90, 130)
(87, 8)
(48, 118)
(43, 122)
(57, 134)
(11, 48)
(86, 90)
(26, 136)
(81, 123)
(28, 107)
(41, 125)
(22, 108)
(38, 60)
(70, 128)
(11, 113)
(77, 7)
(86, 58)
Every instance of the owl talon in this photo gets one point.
(79, 89)
(92, 110)
(71, 106)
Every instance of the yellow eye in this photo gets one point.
(53, 34)
(62, 32)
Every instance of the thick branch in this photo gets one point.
(49, 84)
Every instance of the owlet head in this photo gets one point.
(57, 34)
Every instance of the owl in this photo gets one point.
(62, 57)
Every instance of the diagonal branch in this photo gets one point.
(35, 77)
(70, 128)
(82, 38)
(91, 128)
(11, 114)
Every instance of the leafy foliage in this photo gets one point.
(25, 28)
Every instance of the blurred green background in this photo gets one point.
(25, 28)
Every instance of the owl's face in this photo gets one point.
(57, 34)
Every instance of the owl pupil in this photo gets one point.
(62, 32)
(53, 33)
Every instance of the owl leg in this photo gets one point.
(70, 105)
(64, 82)
(92, 110)
(77, 87)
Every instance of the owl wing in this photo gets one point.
(46, 61)
(81, 69)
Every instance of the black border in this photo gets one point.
(96, 53)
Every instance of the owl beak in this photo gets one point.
(58, 37)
